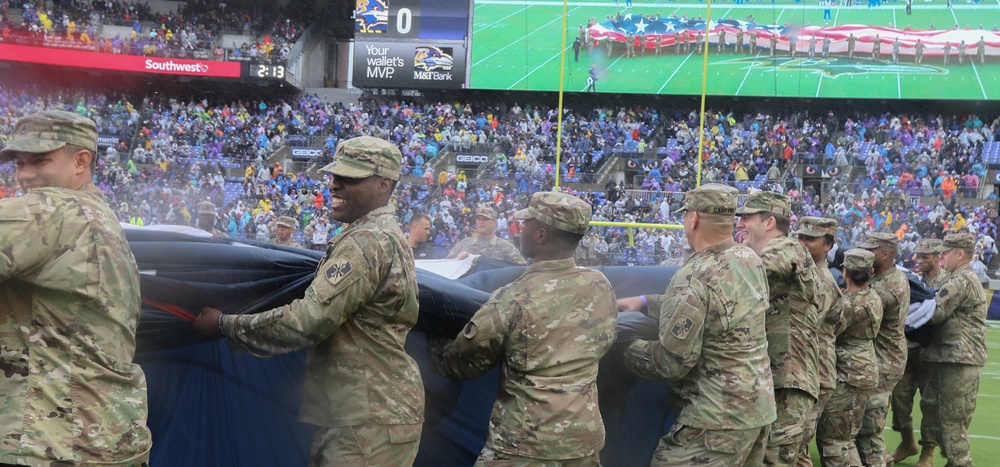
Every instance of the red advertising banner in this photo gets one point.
(132, 63)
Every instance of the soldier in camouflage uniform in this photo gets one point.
(890, 345)
(548, 330)
(857, 323)
(915, 374)
(69, 308)
(285, 227)
(791, 320)
(713, 343)
(817, 234)
(486, 242)
(362, 390)
(957, 353)
(206, 219)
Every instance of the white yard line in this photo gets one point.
(976, 70)
(558, 18)
(819, 85)
(537, 68)
(899, 86)
(674, 73)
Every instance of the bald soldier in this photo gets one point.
(362, 390)
(956, 354)
(890, 345)
(857, 322)
(548, 330)
(915, 373)
(712, 344)
(69, 305)
(486, 242)
(791, 320)
(817, 234)
(284, 228)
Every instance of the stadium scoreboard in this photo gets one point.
(411, 44)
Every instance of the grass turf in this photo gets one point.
(983, 435)
(516, 45)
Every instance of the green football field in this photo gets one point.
(517, 44)
(984, 434)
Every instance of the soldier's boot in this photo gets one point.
(926, 457)
(907, 447)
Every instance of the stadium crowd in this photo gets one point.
(173, 154)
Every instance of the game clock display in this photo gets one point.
(259, 70)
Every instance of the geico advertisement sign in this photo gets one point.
(306, 152)
(102, 61)
(476, 159)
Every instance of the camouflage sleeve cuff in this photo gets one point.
(653, 305)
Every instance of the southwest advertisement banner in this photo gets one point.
(115, 62)
(833, 49)
(409, 65)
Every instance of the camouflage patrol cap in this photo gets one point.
(286, 221)
(365, 156)
(927, 246)
(960, 241)
(817, 226)
(560, 210)
(206, 207)
(49, 130)
(711, 198)
(487, 212)
(880, 240)
(858, 259)
(766, 201)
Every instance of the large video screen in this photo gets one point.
(889, 50)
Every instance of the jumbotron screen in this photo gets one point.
(780, 49)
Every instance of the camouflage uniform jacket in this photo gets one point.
(828, 301)
(354, 319)
(713, 342)
(291, 243)
(890, 345)
(792, 339)
(548, 329)
(69, 305)
(960, 317)
(857, 326)
(494, 247)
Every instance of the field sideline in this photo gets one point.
(983, 434)
(516, 45)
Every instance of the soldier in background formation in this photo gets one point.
(818, 234)
(69, 306)
(548, 330)
(284, 228)
(914, 374)
(791, 320)
(206, 219)
(712, 330)
(857, 322)
(890, 345)
(486, 242)
(361, 387)
(956, 354)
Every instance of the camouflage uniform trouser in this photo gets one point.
(785, 442)
(491, 458)
(947, 406)
(805, 460)
(871, 444)
(839, 425)
(684, 446)
(366, 445)
(914, 379)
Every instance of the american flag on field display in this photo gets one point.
(669, 30)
